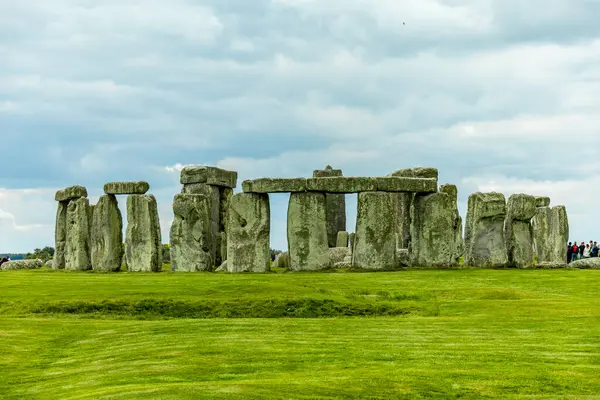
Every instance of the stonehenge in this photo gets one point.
(91, 236)
(403, 220)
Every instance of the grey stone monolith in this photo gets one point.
(282, 260)
(191, 234)
(433, 230)
(559, 233)
(484, 244)
(60, 235)
(225, 195)
(307, 232)
(342, 239)
(107, 235)
(352, 240)
(404, 200)
(335, 206)
(518, 234)
(139, 187)
(143, 247)
(375, 241)
(71, 193)
(542, 242)
(248, 233)
(459, 245)
(213, 194)
(77, 247)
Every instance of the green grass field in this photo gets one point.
(409, 334)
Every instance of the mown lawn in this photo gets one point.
(410, 334)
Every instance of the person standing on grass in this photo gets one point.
(581, 250)
(569, 252)
(594, 252)
(574, 251)
(586, 251)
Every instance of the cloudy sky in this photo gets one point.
(500, 95)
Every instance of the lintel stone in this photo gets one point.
(71, 193)
(419, 172)
(542, 201)
(209, 175)
(401, 184)
(115, 188)
(275, 185)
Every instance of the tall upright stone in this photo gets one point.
(403, 202)
(191, 241)
(433, 229)
(375, 240)
(335, 206)
(60, 235)
(484, 231)
(542, 242)
(107, 235)
(143, 247)
(459, 244)
(248, 233)
(213, 194)
(77, 247)
(559, 234)
(518, 233)
(225, 195)
(307, 232)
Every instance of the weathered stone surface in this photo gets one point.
(559, 233)
(49, 263)
(60, 235)
(551, 265)
(107, 235)
(402, 205)
(71, 193)
(342, 239)
(459, 245)
(335, 206)
(282, 260)
(542, 243)
(191, 234)
(307, 232)
(143, 247)
(116, 188)
(433, 230)
(225, 195)
(209, 175)
(341, 184)
(248, 233)
(21, 264)
(340, 257)
(542, 201)
(327, 172)
(213, 194)
(77, 247)
(352, 240)
(403, 257)
(274, 185)
(419, 172)
(586, 263)
(484, 231)
(402, 184)
(518, 234)
(375, 241)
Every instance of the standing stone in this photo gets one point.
(307, 232)
(518, 233)
(559, 234)
(335, 207)
(191, 240)
(433, 230)
(375, 241)
(459, 245)
(143, 238)
(225, 195)
(352, 240)
(542, 242)
(107, 235)
(404, 202)
(248, 233)
(213, 195)
(484, 231)
(77, 248)
(60, 235)
(342, 239)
